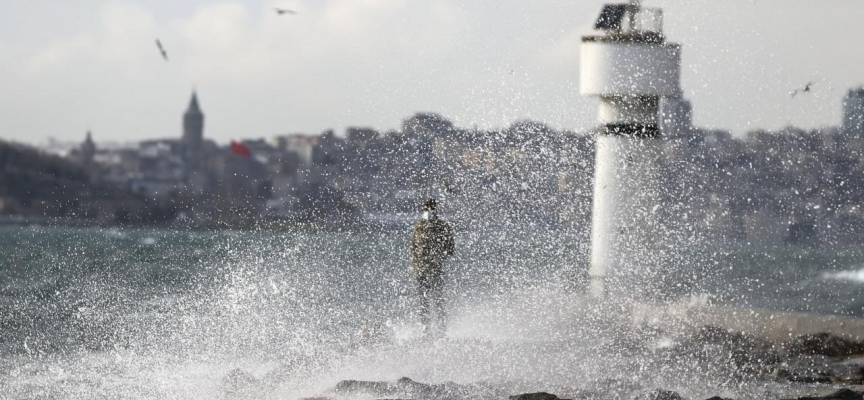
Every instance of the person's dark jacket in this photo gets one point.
(431, 244)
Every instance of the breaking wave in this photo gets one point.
(848, 275)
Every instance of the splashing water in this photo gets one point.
(96, 314)
(851, 275)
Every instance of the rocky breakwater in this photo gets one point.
(814, 358)
(709, 363)
(406, 388)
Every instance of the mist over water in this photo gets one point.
(90, 313)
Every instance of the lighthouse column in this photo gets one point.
(626, 227)
(628, 67)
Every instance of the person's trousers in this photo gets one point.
(431, 289)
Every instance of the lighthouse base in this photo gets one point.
(597, 287)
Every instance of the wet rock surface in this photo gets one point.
(824, 344)
(842, 394)
(809, 359)
(808, 367)
(658, 394)
(535, 396)
(405, 388)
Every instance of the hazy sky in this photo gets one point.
(80, 64)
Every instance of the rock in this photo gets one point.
(779, 373)
(744, 353)
(824, 344)
(817, 369)
(373, 388)
(535, 396)
(658, 394)
(845, 394)
(848, 379)
(752, 358)
(407, 388)
(802, 376)
(808, 378)
(842, 394)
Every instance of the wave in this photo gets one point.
(849, 275)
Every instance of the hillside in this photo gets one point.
(36, 184)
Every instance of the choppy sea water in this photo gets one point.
(95, 313)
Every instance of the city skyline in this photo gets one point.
(339, 63)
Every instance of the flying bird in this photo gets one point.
(161, 49)
(805, 89)
(283, 11)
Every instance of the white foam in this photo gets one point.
(851, 275)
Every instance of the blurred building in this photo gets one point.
(853, 112)
(192, 143)
(300, 144)
(85, 153)
(676, 116)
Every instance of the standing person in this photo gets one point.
(431, 244)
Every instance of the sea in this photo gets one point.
(90, 313)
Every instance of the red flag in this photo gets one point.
(240, 149)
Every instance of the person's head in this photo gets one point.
(429, 205)
(429, 208)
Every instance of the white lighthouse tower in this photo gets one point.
(628, 65)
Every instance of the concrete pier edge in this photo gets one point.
(768, 324)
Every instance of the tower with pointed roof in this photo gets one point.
(87, 151)
(193, 136)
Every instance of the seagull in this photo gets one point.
(283, 11)
(805, 89)
(161, 49)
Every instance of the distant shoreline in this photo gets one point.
(259, 225)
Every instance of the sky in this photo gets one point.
(81, 65)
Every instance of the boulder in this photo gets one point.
(857, 379)
(842, 394)
(535, 396)
(408, 388)
(753, 358)
(368, 387)
(809, 378)
(658, 394)
(824, 344)
(744, 353)
(801, 375)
